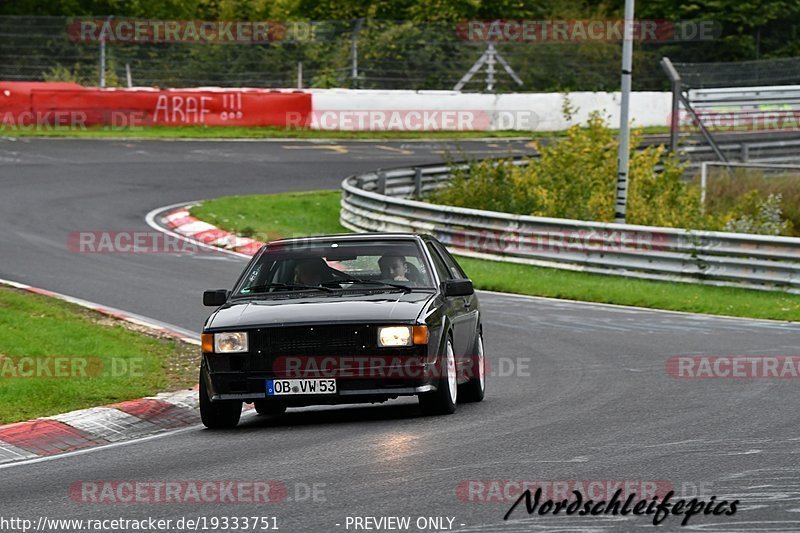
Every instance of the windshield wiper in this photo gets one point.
(262, 288)
(354, 279)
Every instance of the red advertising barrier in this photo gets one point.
(70, 105)
(15, 97)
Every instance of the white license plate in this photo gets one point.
(286, 387)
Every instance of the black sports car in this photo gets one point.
(342, 319)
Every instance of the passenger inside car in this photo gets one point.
(393, 268)
(396, 268)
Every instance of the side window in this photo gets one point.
(438, 263)
(455, 268)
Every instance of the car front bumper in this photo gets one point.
(226, 384)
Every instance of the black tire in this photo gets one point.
(443, 400)
(474, 389)
(220, 414)
(269, 407)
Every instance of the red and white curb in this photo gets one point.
(98, 426)
(181, 222)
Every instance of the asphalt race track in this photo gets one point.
(580, 391)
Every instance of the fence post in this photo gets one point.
(103, 34)
(417, 183)
(102, 63)
(354, 53)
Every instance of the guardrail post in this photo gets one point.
(381, 181)
(417, 183)
(745, 153)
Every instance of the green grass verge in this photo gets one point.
(275, 216)
(239, 132)
(294, 214)
(98, 360)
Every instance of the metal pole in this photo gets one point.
(706, 134)
(128, 75)
(490, 59)
(674, 125)
(300, 75)
(354, 62)
(354, 59)
(102, 63)
(703, 182)
(675, 83)
(354, 53)
(624, 125)
(103, 32)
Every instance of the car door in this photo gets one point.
(455, 308)
(471, 308)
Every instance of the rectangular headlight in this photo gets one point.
(230, 342)
(395, 336)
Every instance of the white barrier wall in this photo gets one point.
(347, 109)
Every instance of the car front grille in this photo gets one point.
(314, 340)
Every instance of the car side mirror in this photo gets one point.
(215, 297)
(458, 287)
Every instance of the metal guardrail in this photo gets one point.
(764, 109)
(381, 201)
(765, 151)
(747, 99)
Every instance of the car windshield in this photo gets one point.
(334, 265)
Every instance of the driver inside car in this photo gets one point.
(312, 272)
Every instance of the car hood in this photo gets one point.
(364, 307)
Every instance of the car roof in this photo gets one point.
(355, 236)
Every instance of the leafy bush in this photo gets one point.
(739, 190)
(575, 177)
(83, 74)
(760, 216)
